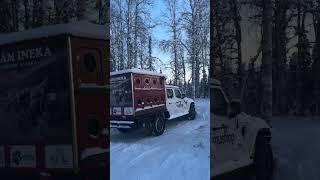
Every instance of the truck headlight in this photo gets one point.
(128, 111)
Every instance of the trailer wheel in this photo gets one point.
(157, 125)
(192, 112)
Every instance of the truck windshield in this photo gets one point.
(218, 105)
(121, 90)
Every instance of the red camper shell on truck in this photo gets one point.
(135, 95)
(54, 100)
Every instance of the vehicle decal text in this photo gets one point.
(223, 139)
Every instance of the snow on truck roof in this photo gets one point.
(138, 71)
(171, 86)
(79, 28)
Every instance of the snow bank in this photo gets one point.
(79, 28)
(182, 152)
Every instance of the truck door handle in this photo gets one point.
(170, 103)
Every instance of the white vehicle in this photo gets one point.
(238, 141)
(177, 104)
(140, 99)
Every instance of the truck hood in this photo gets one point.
(253, 121)
(188, 100)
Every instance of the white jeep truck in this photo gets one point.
(177, 104)
(140, 99)
(238, 141)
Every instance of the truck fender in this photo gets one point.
(265, 132)
(189, 102)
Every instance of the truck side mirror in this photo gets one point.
(183, 96)
(234, 108)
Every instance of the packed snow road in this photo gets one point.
(296, 147)
(182, 152)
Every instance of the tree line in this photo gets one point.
(282, 76)
(187, 25)
(18, 15)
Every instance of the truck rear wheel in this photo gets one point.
(263, 159)
(192, 112)
(157, 125)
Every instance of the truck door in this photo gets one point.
(181, 106)
(171, 103)
(223, 136)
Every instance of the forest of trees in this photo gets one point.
(19, 15)
(187, 25)
(282, 76)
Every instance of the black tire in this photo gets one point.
(192, 112)
(263, 159)
(124, 131)
(157, 125)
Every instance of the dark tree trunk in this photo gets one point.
(266, 78)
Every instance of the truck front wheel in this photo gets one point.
(263, 159)
(157, 125)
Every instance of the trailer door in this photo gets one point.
(91, 99)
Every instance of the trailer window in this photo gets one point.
(89, 62)
(138, 81)
(170, 93)
(218, 105)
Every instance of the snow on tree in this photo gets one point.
(171, 21)
(195, 22)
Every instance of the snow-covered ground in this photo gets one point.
(296, 146)
(182, 152)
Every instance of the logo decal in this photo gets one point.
(59, 156)
(23, 156)
(223, 139)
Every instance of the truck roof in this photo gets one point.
(171, 86)
(80, 28)
(138, 71)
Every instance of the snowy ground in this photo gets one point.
(182, 152)
(296, 146)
